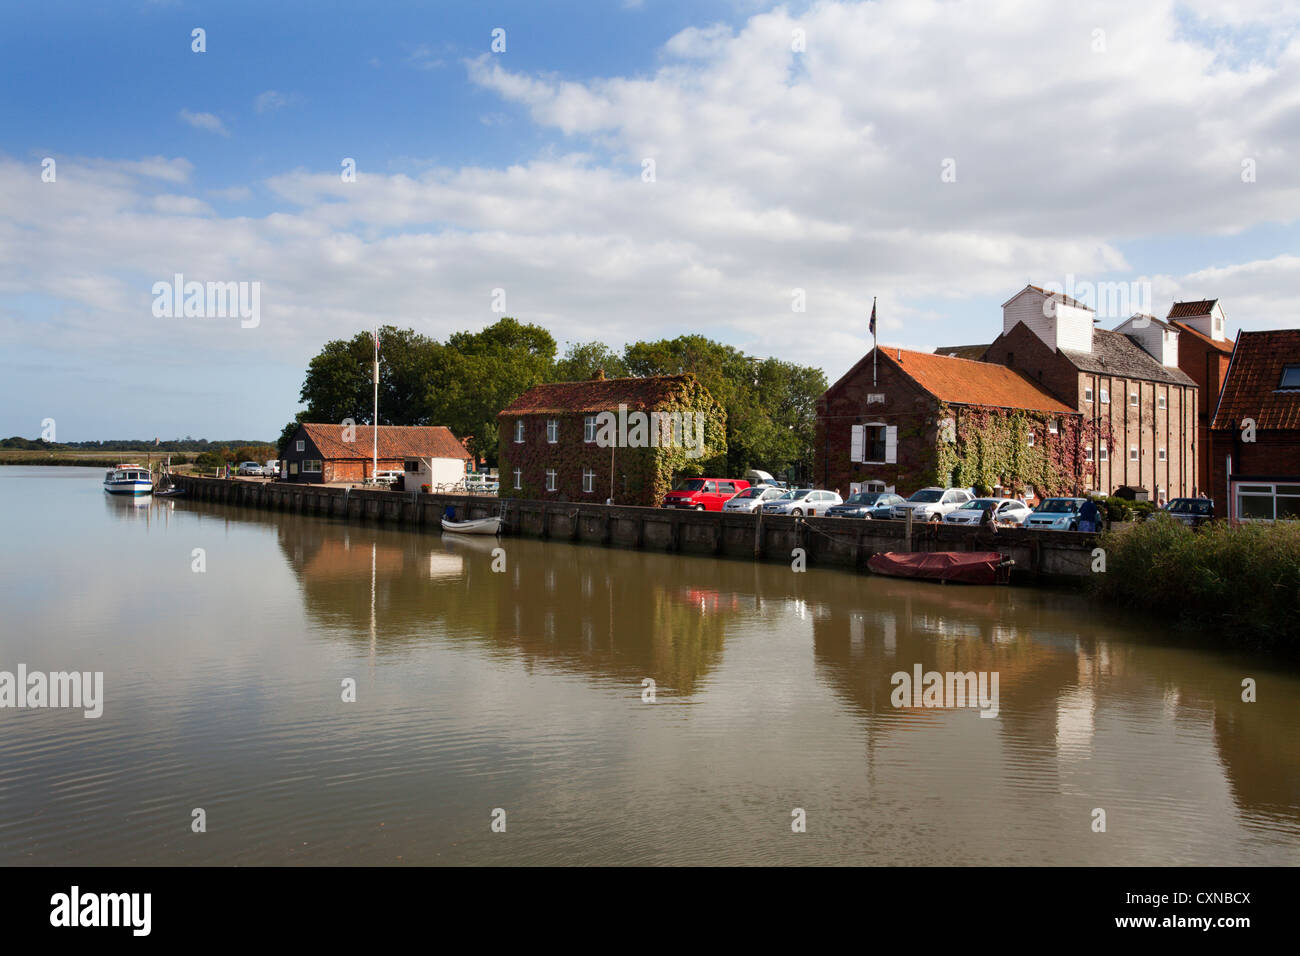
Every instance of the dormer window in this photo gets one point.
(1290, 376)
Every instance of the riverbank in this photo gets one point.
(1040, 556)
(84, 459)
(1242, 582)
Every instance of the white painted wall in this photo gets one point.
(1059, 325)
(444, 471)
(1158, 342)
(1213, 324)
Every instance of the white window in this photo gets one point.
(298, 445)
(1105, 396)
(588, 480)
(1132, 453)
(589, 429)
(550, 479)
(1161, 454)
(1031, 439)
(552, 430)
(855, 443)
(1133, 399)
(311, 467)
(519, 479)
(1268, 502)
(519, 431)
(1087, 453)
(1087, 393)
(1160, 402)
(948, 430)
(1105, 452)
(1054, 426)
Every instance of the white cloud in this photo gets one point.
(773, 171)
(204, 121)
(273, 100)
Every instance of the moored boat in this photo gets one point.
(475, 526)
(128, 480)
(965, 567)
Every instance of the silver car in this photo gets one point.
(751, 499)
(802, 501)
(931, 504)
(1005, 511)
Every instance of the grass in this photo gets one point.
(1239, 584)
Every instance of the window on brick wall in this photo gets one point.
(588, 480)
(1087, 453)
(1133, 453)
(550, 479)
(875, 443)
(1030, 440)
(1161, 403)
(1105, 452)
(1054, 426)
(589, 429)
(1133, 399)
(1105, 396)
(519, 479)
(552, 430)
(1087, 393)
(519, 431)
(1161, 455)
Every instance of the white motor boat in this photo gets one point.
(128, 480)
(475, 526)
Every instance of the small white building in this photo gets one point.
(432, 472)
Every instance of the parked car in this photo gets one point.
(271, 469)
(1191, 511)
(751, 499)
(250, 468)
(931, 504)
(883, 509)
(1005, 511)
(1056, 514)
(704, 494)
(862, 504)
(802, 501)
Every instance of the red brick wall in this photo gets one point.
(1273, 454)
(906, 406)
(1207, 366)
(1147, 427)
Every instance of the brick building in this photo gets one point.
(1203, 353)
(1257, 470)
(920, 419)
(324, 453)
(554, 445)
(1139, 407)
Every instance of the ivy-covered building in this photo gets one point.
(620, 439)
(902, 420)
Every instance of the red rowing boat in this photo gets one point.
(965, 567)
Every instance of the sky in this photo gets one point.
(612, 170)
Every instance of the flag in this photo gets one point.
(872, 326)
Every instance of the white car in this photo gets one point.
(1006, 511)
(802, 501)
(751, 499)
(250, 468)
(931, 504)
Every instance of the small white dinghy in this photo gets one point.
(476, 526)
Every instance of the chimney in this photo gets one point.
(599, 376)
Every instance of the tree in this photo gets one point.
(583, 359)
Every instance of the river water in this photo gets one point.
(518, 696)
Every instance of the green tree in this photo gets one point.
(582, 360)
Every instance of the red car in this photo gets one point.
(704, 494)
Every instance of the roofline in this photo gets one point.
(1016, 372)
(1038, 290)
(1231, 362)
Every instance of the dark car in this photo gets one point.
(1191, 511)
(863, 503)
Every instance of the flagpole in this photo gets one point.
(874, 347)
(374, 467)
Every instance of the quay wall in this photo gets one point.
(841, 542)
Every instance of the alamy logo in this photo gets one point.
(653, 430)
(75, 908)
(210, 300)
(933, 689)
(55, 689)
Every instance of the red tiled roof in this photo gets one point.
(1224, 347)
(395, 441)
(1187, 310)
(1250, 389)
(965, 382)
(597, 395)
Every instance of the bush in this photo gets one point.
(1122, 509)
(1242, 583)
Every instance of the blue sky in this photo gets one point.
(776, 169)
